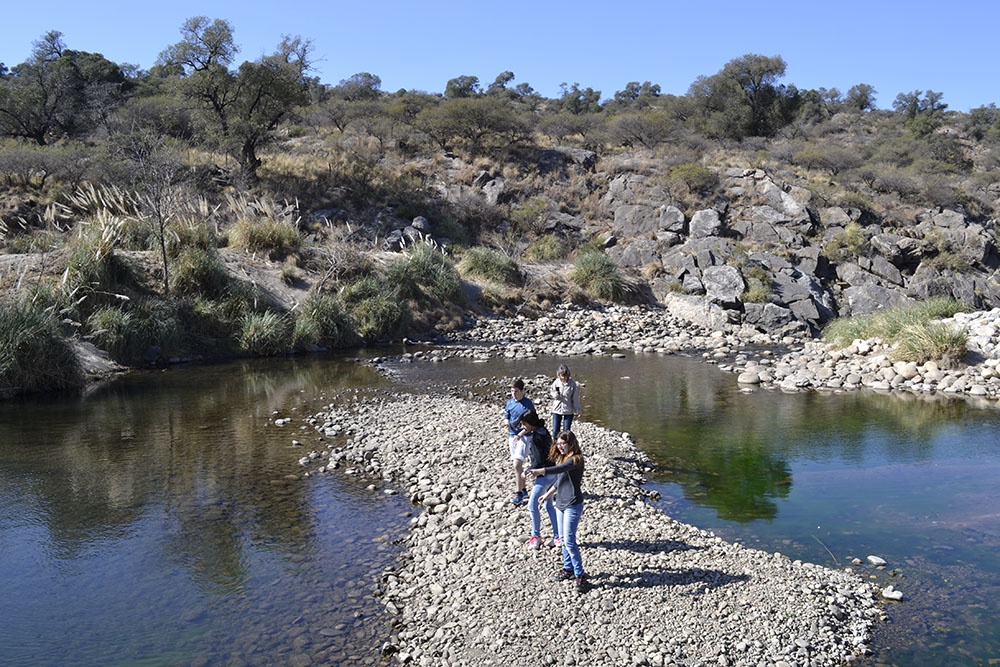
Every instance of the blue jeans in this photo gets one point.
(561, 423)
(541, 486)
(569, 521)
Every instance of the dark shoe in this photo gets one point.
(581, 584)
(564, 575)
(518, 497)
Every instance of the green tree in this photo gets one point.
(360, 86)
(744, 99)
(643, 128)
(479, 122)
(578, 100)
(637, 95)
(861, 97)
(462, 86)
(59, 92)
(245, 106)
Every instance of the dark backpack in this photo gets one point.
(541, 442)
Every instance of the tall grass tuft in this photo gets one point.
(375, 307)
(911, 328)
(931, 341)
(265, 227)
(265, 334)
(491, 265)
(322, 320)
(198, 270)
(425, 272)
(34, 355)
(126, 334)
(600, 276)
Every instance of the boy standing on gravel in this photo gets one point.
(516, 406)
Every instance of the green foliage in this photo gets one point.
(322, 320)
(758, 285)
(93, 266)
(425, 272)
(199, 271)
(547, 248)
(34, 355)
(265, 334)
(697, 178)
(847, 244)
(530, 213)
(890, 324)
(274, 238)
(375, 308)
(125, 333)
(921, 342)
(490, 264)
(597, 274)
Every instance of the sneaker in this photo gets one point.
(581, 584)
(564, 575)
(535, 542)
(518, 497)
(555, 542)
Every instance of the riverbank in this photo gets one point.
(787, 363)
(468, 590)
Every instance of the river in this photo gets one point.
(154, 521)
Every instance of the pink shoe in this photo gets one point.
(555, 542)
(535, 542)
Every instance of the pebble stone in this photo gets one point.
(468, 591)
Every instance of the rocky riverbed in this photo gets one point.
(782, 362)
(469, 591)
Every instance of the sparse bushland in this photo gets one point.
(911, 329)
(265, 232)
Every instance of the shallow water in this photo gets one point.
(819, 477)
(151, 522)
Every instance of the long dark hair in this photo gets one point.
(574, 448)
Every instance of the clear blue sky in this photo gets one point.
(892, 45)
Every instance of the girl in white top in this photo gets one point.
(565, 394)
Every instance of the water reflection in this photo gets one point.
(158, 511)
(152, 521)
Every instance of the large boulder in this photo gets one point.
(866, 299)
(705, 223)
(723, 284)
(697, 311)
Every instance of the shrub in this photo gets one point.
(125, 334)
(891, 325)
(199, 271)
(424, 272)
(93, 264)
(264, 334)
(321, 320)
(758, 285)
(34, 355)
(931, 340)
(547, 248)
(273, 238)
(375, 308)
(696, 178)
(491, 265)
(596, 273)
